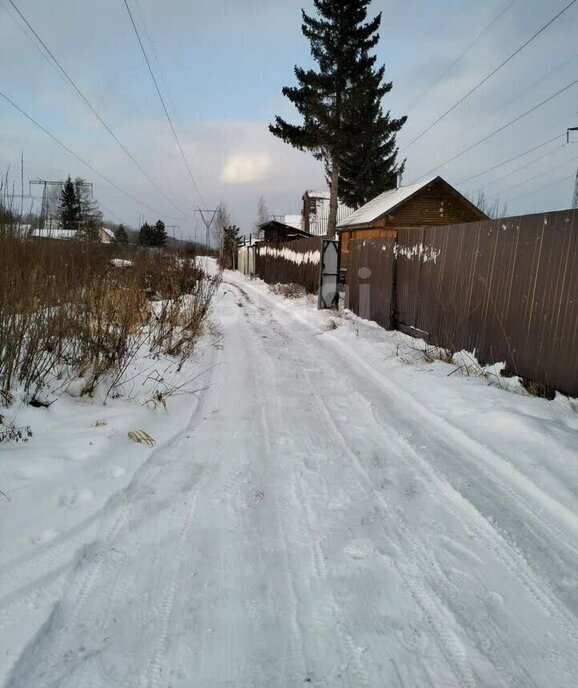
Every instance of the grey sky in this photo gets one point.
(221, 65)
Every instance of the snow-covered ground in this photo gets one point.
(326, 512)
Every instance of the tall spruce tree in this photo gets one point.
(327, 97)
(369, 166)
(145, 235)
(159, 234)
(69, 206)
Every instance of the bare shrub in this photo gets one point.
(73, 309)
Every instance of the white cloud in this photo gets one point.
(245, 168)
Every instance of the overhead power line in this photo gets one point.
(488, 76)
(170, 121)
(75, 155)
(93, 110)
(505, 162)
(534, 161)
(541, 188)
(497, 131)
(538, 176)
(482, 33)
(487, 116)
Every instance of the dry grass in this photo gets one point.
(67, 312)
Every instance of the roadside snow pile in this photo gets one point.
(121, 263)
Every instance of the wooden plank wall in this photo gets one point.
(507, 289)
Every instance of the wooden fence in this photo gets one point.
(506, 288)
(290, 262)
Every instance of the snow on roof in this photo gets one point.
(319, 194)
(295, 221)
(54, 233)
(109, 232)
(382, 204)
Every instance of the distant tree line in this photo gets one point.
(153, 235)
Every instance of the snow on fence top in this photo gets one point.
(311, 257)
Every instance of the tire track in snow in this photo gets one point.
(48, 657)
(454, 651)
(437, 615)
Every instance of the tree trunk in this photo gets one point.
(334, 190)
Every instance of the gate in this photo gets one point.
(370, 279)
(328, 295)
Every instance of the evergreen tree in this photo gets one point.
(369, 166)
(120, 235)
(145, 235)
(159, 234)
(69, 206)
(326, 98)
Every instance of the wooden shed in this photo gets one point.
(431, 202)
(278, 231)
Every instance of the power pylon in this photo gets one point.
(207, 222)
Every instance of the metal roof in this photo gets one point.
(382, 204)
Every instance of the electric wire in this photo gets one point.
(541, 188)
(488, 76)
(516, 157)
(500, 129)
(523, 167)
(78, 157)
(537, 176)
(93, 110)
(134, 26)
(484, 31)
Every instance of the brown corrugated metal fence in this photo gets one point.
(290, 262)
(506, 288)
(370, 277)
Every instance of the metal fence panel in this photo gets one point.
(296, 262)
(506, 288)
(370, 278)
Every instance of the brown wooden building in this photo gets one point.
(278, 231)
(431, 202)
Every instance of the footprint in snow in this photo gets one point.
(359, 549)
(70, 499)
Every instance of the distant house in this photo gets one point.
(54, 233)
(315, 212)
(279, 231)
(431, 202)
(295, 221)
(106, 236)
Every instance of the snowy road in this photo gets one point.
(316, 524)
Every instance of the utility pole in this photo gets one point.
(205, 215)
(575, 196)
